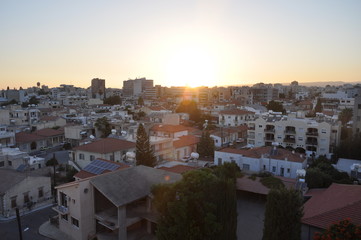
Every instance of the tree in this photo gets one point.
(140, 101)
(345, 116)
(350, 148)
(103, 126)
(344, 230)
(113, 100)
(283, 215)
(203, 205)
(318, 107)
(206, 145)
(144, 153)
(275, 106)
(191, 108)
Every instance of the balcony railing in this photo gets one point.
(312, 133)
(288, 131)
(271, 130)
(61, 209)
(251, 128)
(289, 140)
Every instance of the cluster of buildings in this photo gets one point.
(110, 195)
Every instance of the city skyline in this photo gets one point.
(188, 43)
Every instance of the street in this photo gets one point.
(30, 224)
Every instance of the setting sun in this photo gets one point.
(192, 66)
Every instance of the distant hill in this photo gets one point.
(323, 84)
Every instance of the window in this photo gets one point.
(81, 156)
(300, 138)
(65, 217)
(219, 161)
(92, 158)
(2, 163)
(245, 166)
(26, 197)
(10, 163)
(260, 126)
(111, 157)
(75, 222)
(264, 167)
(359, 106)
(273, 169)
(323, 130)
(40, 192)
(13, 202)
(288, 170)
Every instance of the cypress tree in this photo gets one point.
(283, 215)
(144, 152)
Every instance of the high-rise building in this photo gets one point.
(98, 88)
(136, 87)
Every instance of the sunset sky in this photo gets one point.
(183, 42)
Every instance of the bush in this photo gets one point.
(272, 182)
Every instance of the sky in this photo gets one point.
(178, 43)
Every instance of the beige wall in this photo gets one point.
(81, 207)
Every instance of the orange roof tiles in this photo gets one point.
(168, 128)
(106, 145)
(24, 137)
(333, 204)
(259, 151)
(184, 141)
(236, 112)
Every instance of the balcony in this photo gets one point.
(289, 140)
(312, 134)
(269, 130)
(61, 209)
(290, 131)
(269, 138)
(108, 218)
(251, 128)
(313, 143)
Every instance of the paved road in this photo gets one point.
(32, 221)
(250, 218)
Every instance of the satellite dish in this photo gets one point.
(91, 137)
(114, 131)
(195, 155)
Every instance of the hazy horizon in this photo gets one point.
(176, 43)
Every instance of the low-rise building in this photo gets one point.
(25, 191)
(113, 205)
(234, 117)
(280, 162)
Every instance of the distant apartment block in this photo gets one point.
(138, 87)
(304, 134)
(98, 88)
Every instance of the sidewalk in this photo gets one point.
(50, 231)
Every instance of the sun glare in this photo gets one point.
(191, 66)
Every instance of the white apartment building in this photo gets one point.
(294, 132)
(234, 117)
(280, 162)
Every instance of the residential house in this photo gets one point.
(278, 161)
(25, 191)
(112, 149)
(234, 117)
(184, 146)
(115, 205)
(169, 131)
(7, 138)
(330, 205)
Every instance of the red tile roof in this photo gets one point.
(333, 204)
(178, 168)
(106, 145)
(184, 141)
(255, 186)
(235, 112)
(259, 151)
(48, 132)
(24, 137)
(168, 128)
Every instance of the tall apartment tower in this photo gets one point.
(136, 87)
(98, 88)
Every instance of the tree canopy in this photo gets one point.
(275, 106)
(345, 116)
(283, 215)
(202, 205)
(318, 107)
(206, 145)
(350, 147)
(113, 100)
(103, 126)
(190, 107)
(144, 152)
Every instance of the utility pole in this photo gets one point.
(19, 224)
